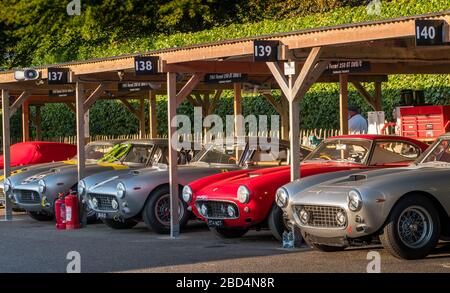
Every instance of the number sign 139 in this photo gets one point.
(145, 65)
(265, 51)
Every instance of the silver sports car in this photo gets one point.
(94, 151)
(406, 208)
(125, 199)
(37, 192)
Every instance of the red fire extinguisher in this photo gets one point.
(72, 207)
(60, 212)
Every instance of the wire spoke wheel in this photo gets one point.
(415, 227)
(162, 210)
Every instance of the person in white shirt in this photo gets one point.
(357, 124)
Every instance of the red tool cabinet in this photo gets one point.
(425, 123)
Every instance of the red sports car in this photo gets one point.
(37, 152)
(234, 202)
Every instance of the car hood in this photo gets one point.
(68, 169)
(257, 177)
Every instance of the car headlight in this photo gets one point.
(120, 190)
(6, 185)
(81, 188)
(42, 186)
(354, 201)
(187, 193)
(282, 197)
(243, 194)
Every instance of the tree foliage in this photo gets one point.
(37, 32)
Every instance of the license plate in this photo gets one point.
(215, 223)
(101, 215)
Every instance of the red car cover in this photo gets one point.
(36, 152)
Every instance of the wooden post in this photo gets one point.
(141, 118)
(378, 97)
(294, 142)
(237, 107)
(6, 149)
(38, 121)
(173, 177)
(294, 91)
(343, 103)
(152, 114)
(284, 117)
(25, 122)
(79, 105)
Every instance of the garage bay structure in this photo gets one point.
(291, 62)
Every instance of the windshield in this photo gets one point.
(128, 153)
(96, 151)
(219, 154)
(438, 153)
(342, 150)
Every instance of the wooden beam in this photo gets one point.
(343, 103)
(279, 77)
(71, 106)
(215, 101)
(94, 96)
(312, 78)
(18, 102)
(172, 102)
(307, 68)
(141, 118)
(152, 115)
(245, 67)
(25, 122)
(365, 95)
(188, 87)
(276, 105)
(192, 100)
(6, 148)
(130, 108)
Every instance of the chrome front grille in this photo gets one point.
(217, 209)
(321, 216)
(103, 202)
(27, 196)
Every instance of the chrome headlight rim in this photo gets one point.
(6, 185)
(120, 190)
(81, 188)
(282, 197)
(42, 186)
(354, 200)
(243, 194)
(187, 194)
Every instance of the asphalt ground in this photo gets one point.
(30, 246)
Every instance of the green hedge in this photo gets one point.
(318, 109)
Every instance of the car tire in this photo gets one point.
(120, 225)
(396, 233)
(226, 233)
(156, 213)
(277, 224)
(41, 216)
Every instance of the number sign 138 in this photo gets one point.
(145, 65)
